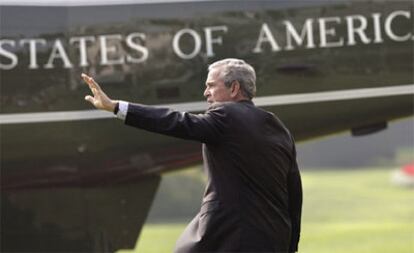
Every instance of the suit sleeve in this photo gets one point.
(295, 204)
(206, 128)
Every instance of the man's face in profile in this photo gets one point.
(216, 91)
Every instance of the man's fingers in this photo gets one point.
(89, 80)
(95, 84)
(86, 78)
(94, 91)
(90, 99)
(99, 99)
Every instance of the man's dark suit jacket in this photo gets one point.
(253, 197)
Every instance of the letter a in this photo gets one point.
(266, 36)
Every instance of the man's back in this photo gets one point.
(246, 202)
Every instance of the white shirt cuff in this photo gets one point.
(123, 110)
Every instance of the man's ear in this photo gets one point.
(235, 88)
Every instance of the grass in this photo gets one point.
(344, 211)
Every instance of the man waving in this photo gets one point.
(253, 198)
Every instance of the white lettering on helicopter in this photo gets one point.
(118, 49)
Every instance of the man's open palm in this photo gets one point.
(100, 100)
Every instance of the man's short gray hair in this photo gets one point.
(237, 70)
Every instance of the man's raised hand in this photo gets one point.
(100, 100)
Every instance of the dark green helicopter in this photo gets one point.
(322, 67)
